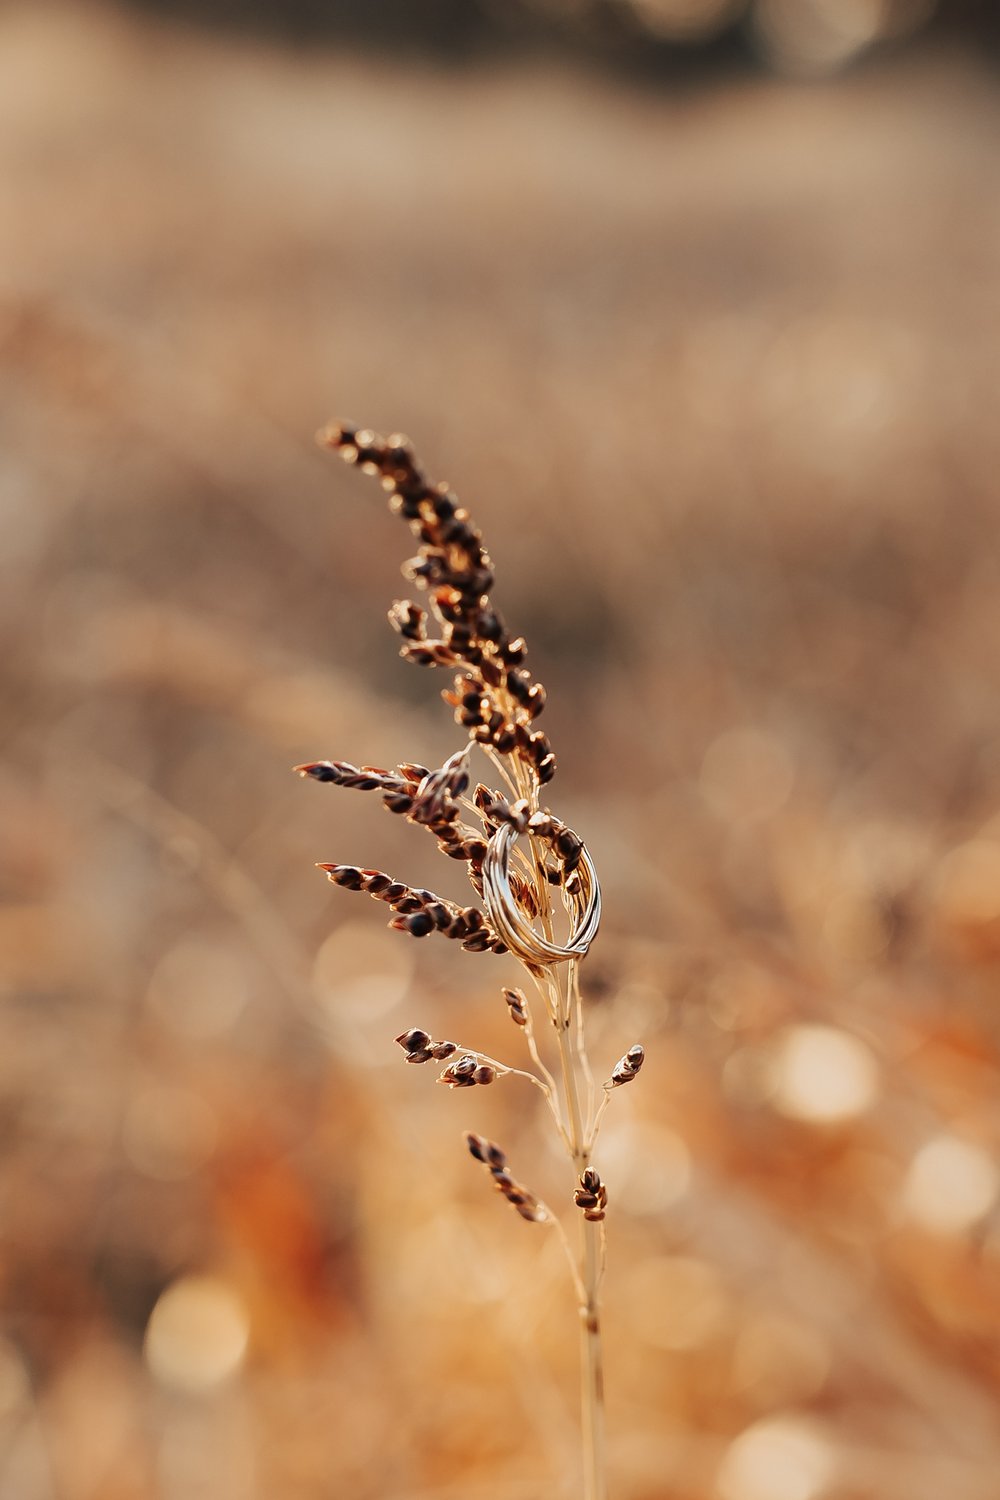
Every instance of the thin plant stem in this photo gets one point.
(591, 1353)
(536, 1057)
(497, 700)
(581, 1042)
(595, 1128)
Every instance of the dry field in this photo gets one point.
(716, 371)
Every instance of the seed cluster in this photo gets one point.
(517, 1005)
(497, 702)
(463, 1073)
(491, 1156)
(591, 1195)
(419, 912)
(466, 1071)
(429, 798)
(420, 1047)
(494, 696)
(628, 1066)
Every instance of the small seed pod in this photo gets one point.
(628, 1066)
(414, 1040)
(471, 718)
(326, 770)
(475, 851)
(485, 1151)
(466, 1071)
(408, 619)
(517, 1005)
(411, 772)
(569, 846)
(418, 924)
(493, 673)
(441, 915)
(348, 876)
(429, 654)
(518, 1196)
(514, 652)
(524, 895)
(495, 810)
(505, 739)
(448, 601)
(591, 1196)
(543, 824)
(409, 903)
(520, 812)
(535, 700)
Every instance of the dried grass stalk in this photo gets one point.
(531, 871)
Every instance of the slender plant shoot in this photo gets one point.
(531, 874)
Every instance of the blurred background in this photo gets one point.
(696, 303)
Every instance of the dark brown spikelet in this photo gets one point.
(591, 1196)
(359, 778)
(517, 1005)
(347, 876)
(419, 912)
(488, 1152)
(408, 619)
(491, 1156)
(420, 1047)
(414, 1040)
(628, 1066)
(467, 1071)
(499, 699)
(435, 799)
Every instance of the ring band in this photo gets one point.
(509, 921)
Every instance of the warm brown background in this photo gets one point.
(708, 340)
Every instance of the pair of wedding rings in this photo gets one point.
(510, 922)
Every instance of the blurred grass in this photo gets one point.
(715, 374)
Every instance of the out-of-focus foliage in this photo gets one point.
(716, 374)
(670, 39)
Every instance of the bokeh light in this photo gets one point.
(197, 1334)
(779, 1458)
(951, 1184)
(822, 1074)
(814, 37)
